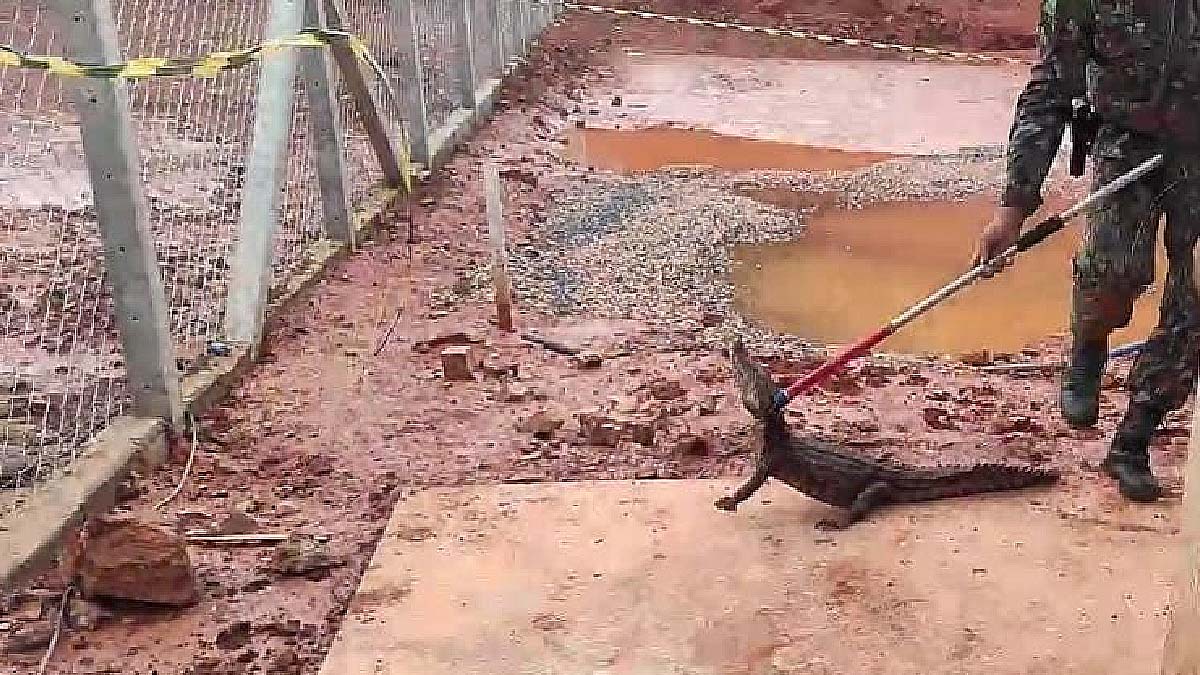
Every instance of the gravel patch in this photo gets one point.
(658, 247)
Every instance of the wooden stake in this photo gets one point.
(1181, 653)
(495, 216)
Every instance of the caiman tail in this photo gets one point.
(908, 483)
(945, 482)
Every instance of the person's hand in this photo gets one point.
(1000, 234)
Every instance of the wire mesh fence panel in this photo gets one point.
(376, 22)
(193, 137)
(443, 50)
(62, 374)
(300, 214)
(489, 54)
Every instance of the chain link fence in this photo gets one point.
(63, 375)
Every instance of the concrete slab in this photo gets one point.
(647, 578)
(865, 106)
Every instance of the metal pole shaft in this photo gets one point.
(973, 275)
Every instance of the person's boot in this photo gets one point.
(1080, 396)
(1128, 458)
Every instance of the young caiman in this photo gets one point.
(854, 483)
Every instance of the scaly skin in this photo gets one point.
(851, 482)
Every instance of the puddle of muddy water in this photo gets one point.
(630, 150)
(852, 270)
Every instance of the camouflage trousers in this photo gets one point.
(1115, 264)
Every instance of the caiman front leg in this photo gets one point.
(874, 496)
(730, 503)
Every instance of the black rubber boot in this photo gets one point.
(1128, 459)
(1080, 396)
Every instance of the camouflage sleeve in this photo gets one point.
(1044, 107)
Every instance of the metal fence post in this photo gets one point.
(467, 69)
(413, 79)
(351, 70)
(328, 139)
(122, 211)
(250, 268)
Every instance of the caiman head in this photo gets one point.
(754, 383)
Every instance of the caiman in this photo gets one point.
(853, 483)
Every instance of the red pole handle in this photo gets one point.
(837, 363)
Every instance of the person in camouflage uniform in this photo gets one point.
(1138, 63)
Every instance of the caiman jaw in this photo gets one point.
(757, 389)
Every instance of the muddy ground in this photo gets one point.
(333, 428)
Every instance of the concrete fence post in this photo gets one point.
(501, 34)
(521, 21)
(122, 211)
(253, 254)
(370, 115)
(328, 136)
(468, 69)
(408, 37)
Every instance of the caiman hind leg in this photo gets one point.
(730, 502)
(874, 496)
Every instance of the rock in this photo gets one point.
(542, 424)
(587, 360)
(639, 432)
(234, 636)
(447, 340)
(456, 364)
(30, 637)
(304, 556)
(625, 404)
(982, 357)
(287, 662)
(499, 368)
(938, 418)
(608, 431)
(1016, 424)
(664, 389)
(515, 394)
(126, 559)
(710, 404)
(605, 435)
(238, 522)
(691, 445)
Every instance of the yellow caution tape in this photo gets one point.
(801, 35)
(209, 65)
(206, 66)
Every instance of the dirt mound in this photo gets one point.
(987, 25)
